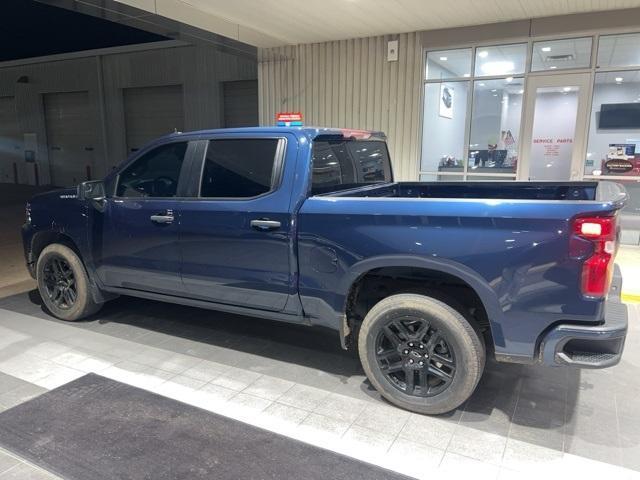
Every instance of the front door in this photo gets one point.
(235, 238)
(135, 238)
(555, 116)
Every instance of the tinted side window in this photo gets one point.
(155, 174)
(238, 168)
(340, 164)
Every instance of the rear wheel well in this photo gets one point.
(380, 283)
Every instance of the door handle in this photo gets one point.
(265, 225)
(162, 219)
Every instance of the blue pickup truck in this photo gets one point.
(306, 225)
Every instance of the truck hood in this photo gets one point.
(55, 196)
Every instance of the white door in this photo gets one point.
(12, 168)
(151, 112)
(71, 138)
(555, 120)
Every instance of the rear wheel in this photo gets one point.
(420, 353)
(63, 284)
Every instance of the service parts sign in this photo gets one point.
(289, 119)
(554, 127)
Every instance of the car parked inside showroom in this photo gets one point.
(307, 225)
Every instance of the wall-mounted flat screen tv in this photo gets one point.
(619, 115)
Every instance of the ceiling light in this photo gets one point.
(497, 68)
(495, 94)
(546, 49)
(566, 89)
(483, 54)
(552, 67)
(619, 79)
(494, 89)
(444, 59)
(521, 91)
(466, 75)
(481, 84)
(509, 79)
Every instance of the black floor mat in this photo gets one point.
(95, 428)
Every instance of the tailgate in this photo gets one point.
(611, 192)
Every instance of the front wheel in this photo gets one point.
(63, 284)
(420, 353)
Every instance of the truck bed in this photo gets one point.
(603, 191)
(509, 240)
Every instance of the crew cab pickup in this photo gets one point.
(307, 225)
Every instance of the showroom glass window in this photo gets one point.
(446, 64)
(239, 168)
(445, 112)
(495, 125)
(471, 129)
(154, 174)
(613, 149)
(501, 60)
(614, 132)
(443, 127)
(562, 54)
(619, 50)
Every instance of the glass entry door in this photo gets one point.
(555, 121)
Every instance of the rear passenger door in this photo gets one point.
(235, 236)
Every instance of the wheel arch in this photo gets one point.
(467, 277)
(43, 239)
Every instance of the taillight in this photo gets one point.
(597, 270)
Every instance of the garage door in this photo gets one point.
(70, 137)
(10, 143)
(151, 112)
(241, 103)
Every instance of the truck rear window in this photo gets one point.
(339, 164)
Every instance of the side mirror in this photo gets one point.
(92, 190)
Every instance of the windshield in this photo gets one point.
(339, 164)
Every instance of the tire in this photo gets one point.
(403, 330)
(55, 287)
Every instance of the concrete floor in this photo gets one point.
(522, 421)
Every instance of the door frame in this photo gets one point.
(581, 80)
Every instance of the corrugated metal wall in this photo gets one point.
(199, 69)
(350, 83)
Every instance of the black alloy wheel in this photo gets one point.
(415, 357)
(60, 282)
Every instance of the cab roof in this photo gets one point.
(308, 132)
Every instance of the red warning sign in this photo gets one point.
(289, 119)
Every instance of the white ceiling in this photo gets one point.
(280, 22)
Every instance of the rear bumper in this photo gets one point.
(589, 346)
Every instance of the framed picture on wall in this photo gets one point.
(446, 101)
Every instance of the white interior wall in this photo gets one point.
(486, 119)
(200, 70)
(492, 115)
(443, 136)
(513, 117)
